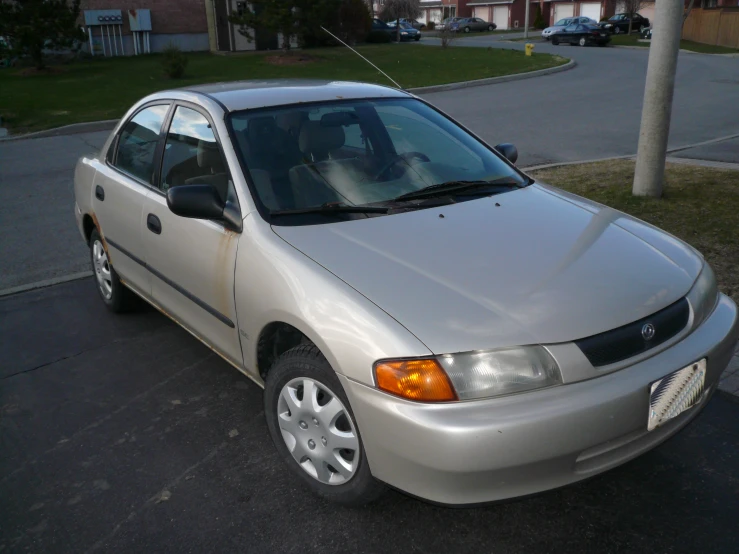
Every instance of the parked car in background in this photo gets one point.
(562, 23)
(619, 23)
(407, 31)
(420, 312)
(379, 25)
(447, 22)
(646, 33)
(469, 24)
(582, 34)
(412, 22)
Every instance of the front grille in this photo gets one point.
(627, 341)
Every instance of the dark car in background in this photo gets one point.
(447, 23)
(469, 24)
(619, 23)
(379, 25)
(582, 34)
(412, 22)
(408, 32)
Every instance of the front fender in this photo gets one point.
(277, 283)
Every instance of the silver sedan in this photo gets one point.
(420, 313)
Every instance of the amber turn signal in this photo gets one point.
(422, 380)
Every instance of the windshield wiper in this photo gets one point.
(457, 186)
(328, 209)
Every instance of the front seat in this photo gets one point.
(212, 168)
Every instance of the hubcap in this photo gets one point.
(318, 431)
(102, 269)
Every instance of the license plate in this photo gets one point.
(675, 393)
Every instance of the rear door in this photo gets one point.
(192, 261)
(120, 187)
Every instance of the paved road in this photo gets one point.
(590, 112)
(123, 433)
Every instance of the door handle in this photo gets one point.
(153, 224)
(99, 193)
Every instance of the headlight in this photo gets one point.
(703, 295)
(498, 372)
(469, 375)
(403, 33)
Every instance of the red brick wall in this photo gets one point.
(167, 16)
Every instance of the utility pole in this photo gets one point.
(526, 20)
(655, 119)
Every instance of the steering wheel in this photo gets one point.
(405, 157)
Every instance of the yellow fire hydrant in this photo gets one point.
(529, 48)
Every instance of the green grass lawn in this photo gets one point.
(97, 89)
(633, 40)
(700, 205)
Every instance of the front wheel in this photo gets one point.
(313, 428)
(417, 38)
(466, 29)
(617, 30)
(555, 41)
(114, 294)
(491, 28)
(583, 41)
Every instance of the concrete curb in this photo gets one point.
(72, 129)
(494, 80)
(705, 163)
(45, 283)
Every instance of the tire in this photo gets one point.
(617, 30)
(287, 380)
(555, 41)
(583, 41)
(114, 294)
(466, 29)
(491, 28)
(417, 38)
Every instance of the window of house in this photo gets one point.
(138, 142)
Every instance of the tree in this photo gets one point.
(632, 7)
(32, 26)
(395, 9)
(539, 19)
(279, 16)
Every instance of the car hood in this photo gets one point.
(554, 28)
(534, 265)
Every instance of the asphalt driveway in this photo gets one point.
(123, 433)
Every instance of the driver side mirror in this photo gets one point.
(203, 202)
(509, 151)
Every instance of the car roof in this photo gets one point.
(245, 95)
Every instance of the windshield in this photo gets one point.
(357, 153)
(563, 22)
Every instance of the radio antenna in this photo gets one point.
(365, 59)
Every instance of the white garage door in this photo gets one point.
(435, 16)
(563, 10)
(500, 17)
(591, 10)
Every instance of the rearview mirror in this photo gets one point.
(509, 151)
(203, 202)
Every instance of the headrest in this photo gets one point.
(208, 155)
(261, 129)
(317, 141)
(291, 121)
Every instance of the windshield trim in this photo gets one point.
(265, 212)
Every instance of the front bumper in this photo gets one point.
(486, 450)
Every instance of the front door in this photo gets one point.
(120, 188)
(192, 260)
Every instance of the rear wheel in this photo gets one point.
(313, 428)
(114, 294)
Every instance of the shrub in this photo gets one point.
(378, 37)
(431, 25)
(174, 61)
(539, 19)
(354, 21)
